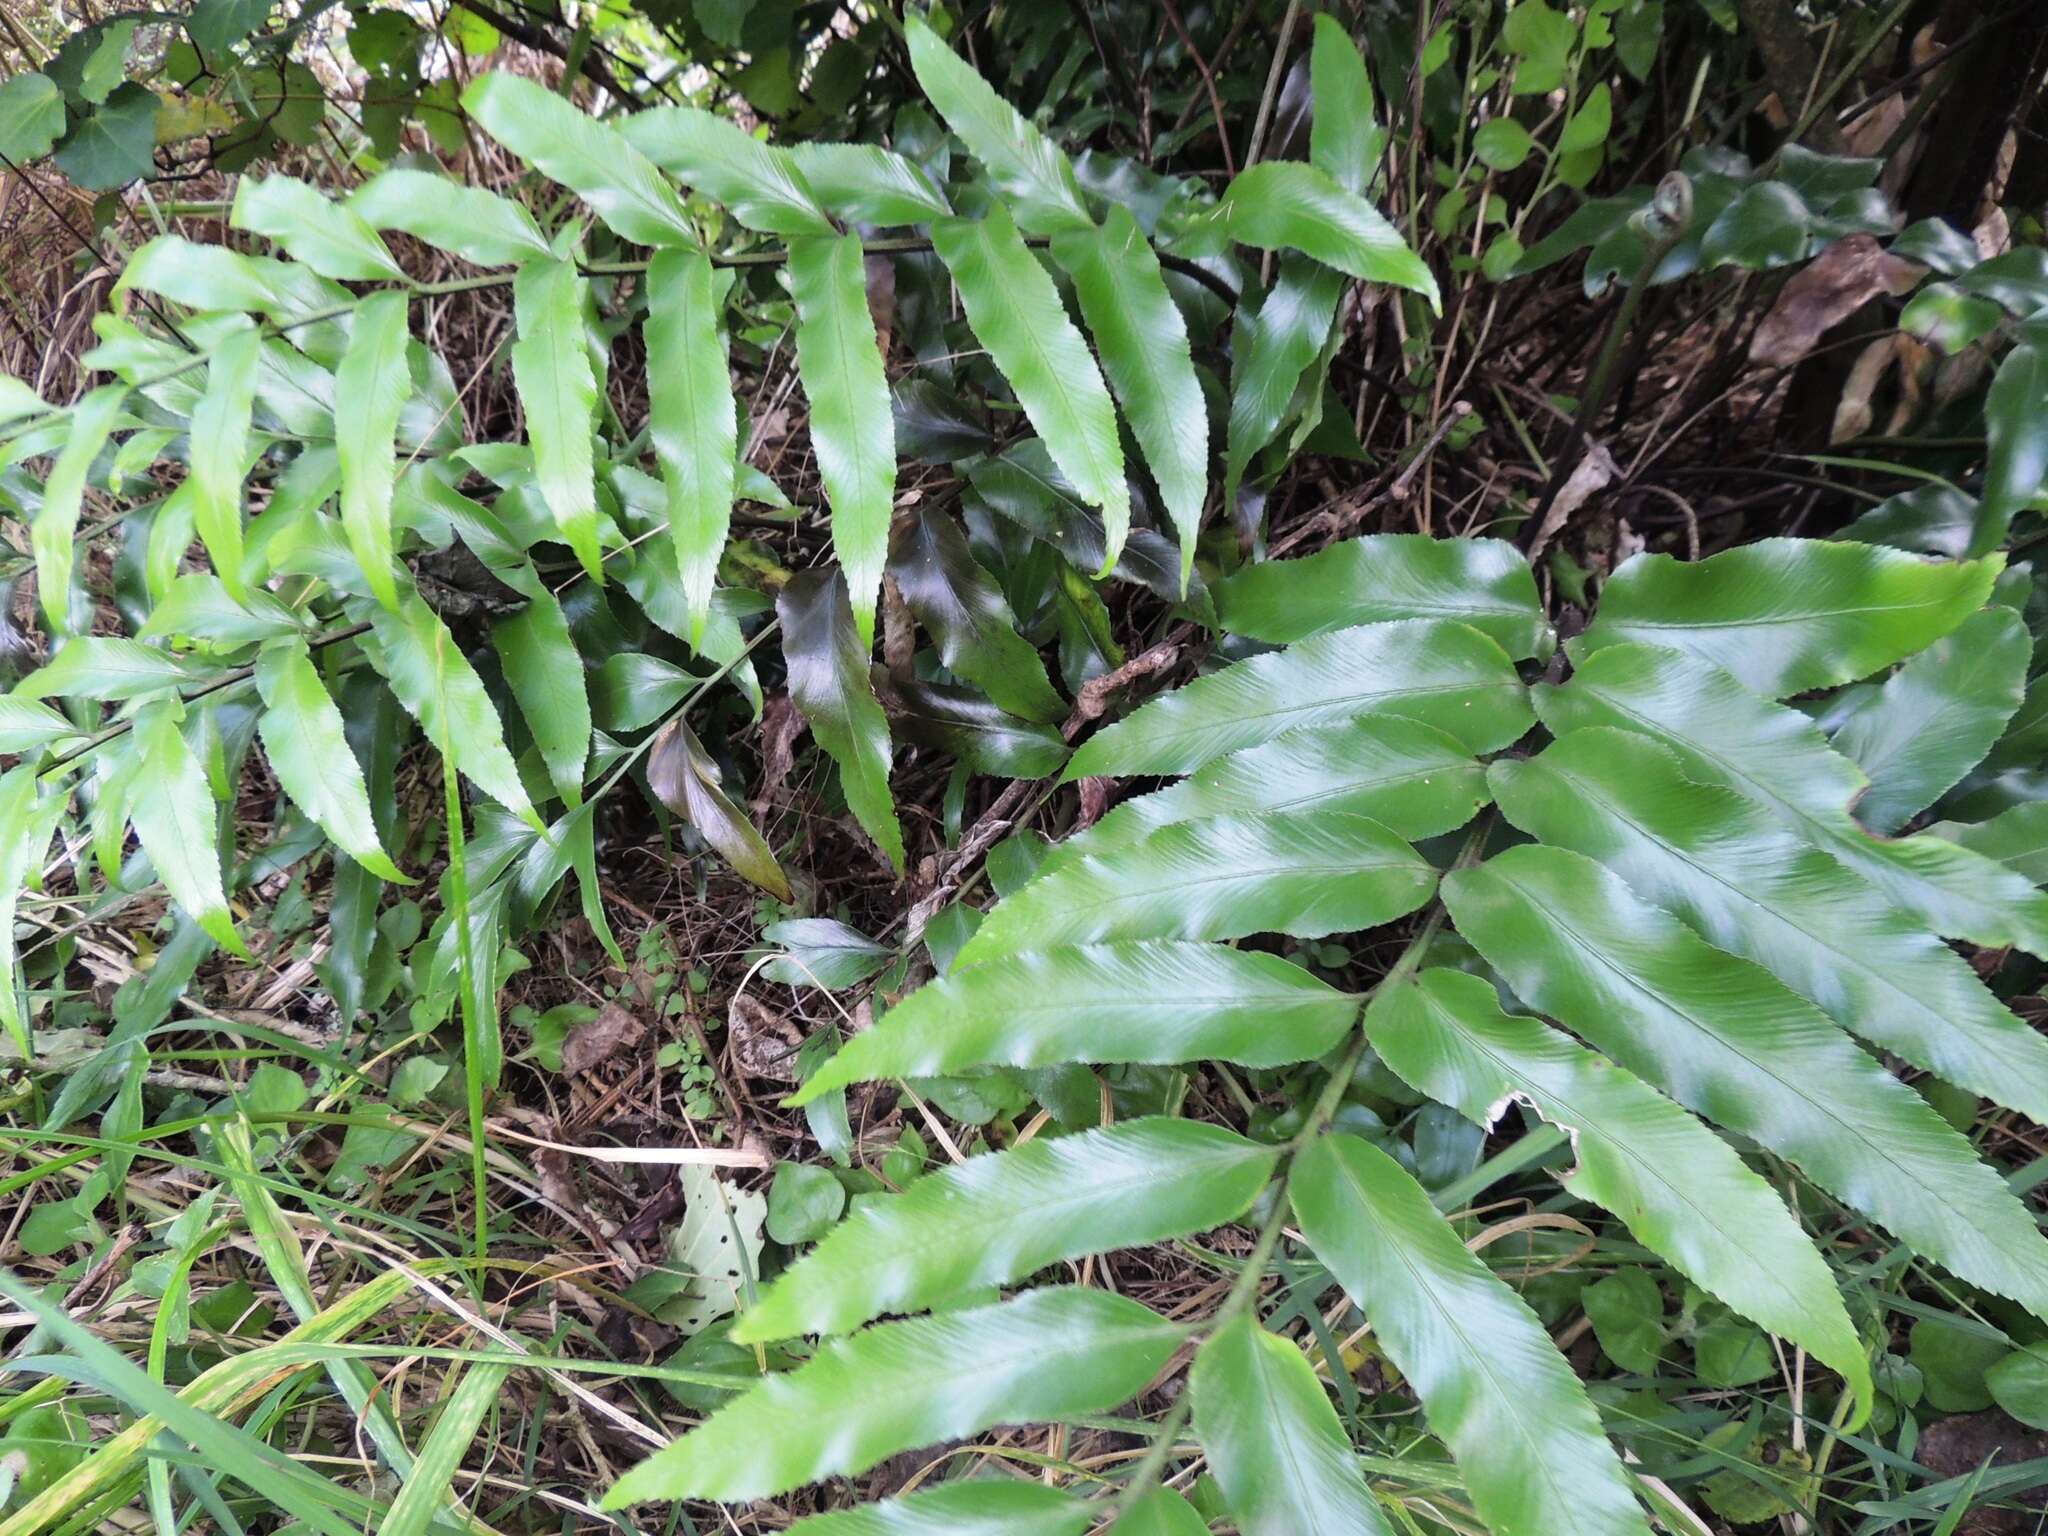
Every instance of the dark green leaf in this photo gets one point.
(2016, 459)
(116, 144)
(828, 681)
(686, 780)
(31, 116)
(968, 726)
(822, 952)
(965, 611)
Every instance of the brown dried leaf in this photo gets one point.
(591, 1044)
(1834, 285)
(764, 1043)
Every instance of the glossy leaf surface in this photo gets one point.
(828, 680)
(690, 411)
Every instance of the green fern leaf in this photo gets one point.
(869, 184)
(1153, 1002)
(982, 1508)
(558, 391)
(219, 451)
(897, 1386)
(997, 1218)
(828, 681)
(1493, 1386)
(757, 182)
(304, 739)
(692, 420)
(374, 379)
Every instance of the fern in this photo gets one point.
(1701, 940)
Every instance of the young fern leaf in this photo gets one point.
(1274, 1441)
(1438, 672)
(558, 392)
(1731, 1042)
(451, 216)
(590, 158)
(828, 682)
(54, 528)
(375, 381)
(1485, 583)
(1033, 175)
(759, 183)
(1306, 874)
(1494, 1387)
(1015, 311)
(692, 419)
(1786, 615)
(1143, 341)
(303, 738)
(997, 1218)
(853, 431)
(1776, 756)
(1147, 1002)
(1046, 1355)
(1682, 1190)
(220, 453)
(1751, 886)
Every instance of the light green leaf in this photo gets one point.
(828, 682)
(969, 618)
(54, 528)
(868, 184)
(692, 421)
(757, 182)
(327, 236)
(590, 158)
(1727, 1039)
(2017, 837)
(1152, 1002)
(304, 739)
(853, 431)
(1752, 886)
(31, 117)
(1274, 1441)
(1160, 1512)
(412, 650)
(686, 780)
(220, 452)
(1288, 205)
(109, 669)
(176, 824)
(551, 367)
(1343, 140)
(1485, 583)
(199, 607)
(450, 215)
(1016, 313)
(1307, 874)
(1441, 673)
(28, 727)
(424, 1497)
(1002, 1216)
(1028, 169)
(374, 380)
(978, 1508)
(1787, 615)
(1683, 1191)
(1143, 340)
(1496, 1391)
(1776, 756)
(27, 820)
(545, 674)
(1936, 717)
(1047, 1355)
(1410, 777)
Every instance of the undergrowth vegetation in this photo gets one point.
(1025, 769)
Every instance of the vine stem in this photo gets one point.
(1244, 1291)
